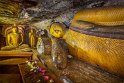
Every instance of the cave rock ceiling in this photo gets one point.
(20, 11)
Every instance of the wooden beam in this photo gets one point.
(15, 54)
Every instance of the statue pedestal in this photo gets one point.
(16, 54)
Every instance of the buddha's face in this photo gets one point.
(14, 30)
(56, 31)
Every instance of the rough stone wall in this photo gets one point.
(43, 24)
(63, 18)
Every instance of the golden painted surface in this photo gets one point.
(101, 16)
(105, 52)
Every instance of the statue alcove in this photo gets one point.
(23, 31)
(8, 29)
(32, 31)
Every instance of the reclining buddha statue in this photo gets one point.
(96, 36)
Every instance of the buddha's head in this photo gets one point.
(14, 30)
(57, 30)
(31, 31)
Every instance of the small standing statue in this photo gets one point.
(43, 43)
(40, 45)
(32, 38)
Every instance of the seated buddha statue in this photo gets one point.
(14, 40)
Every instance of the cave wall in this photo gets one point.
(64, 18)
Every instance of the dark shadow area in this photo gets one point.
(10, 74)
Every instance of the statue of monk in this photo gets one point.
(32, 38)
